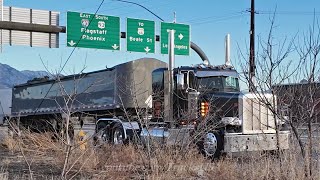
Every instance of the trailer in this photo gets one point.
(103, 93)
(5, 104)
(93, 92)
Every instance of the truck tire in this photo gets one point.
(118, 136)
(105, 136)
(104, 133)
(211, 145)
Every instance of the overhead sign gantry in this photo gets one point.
(31, 27)
(41, 28)
(103, 32)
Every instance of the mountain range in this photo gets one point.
(10, 76)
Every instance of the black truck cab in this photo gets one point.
(200, 92)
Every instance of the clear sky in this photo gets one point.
(210, 21)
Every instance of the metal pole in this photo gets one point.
(252, 66)
(171, 55)
(171, 67)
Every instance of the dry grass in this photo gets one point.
(3, 174)
(134, 162)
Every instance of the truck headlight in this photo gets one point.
(234, 121)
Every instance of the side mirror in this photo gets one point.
(180, 81)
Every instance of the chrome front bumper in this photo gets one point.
(236, 142)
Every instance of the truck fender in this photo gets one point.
(127, 126)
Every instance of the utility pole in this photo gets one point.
(252, 66)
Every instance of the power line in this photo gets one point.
(220, 19)
(122, 6)
(108, 9)
(197, 19)
(211, 19)
(161, 5)
(140, 6)
(308, 13)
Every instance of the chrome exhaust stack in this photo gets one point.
(227, 47)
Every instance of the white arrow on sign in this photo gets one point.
(115, 46)
(71, 43)
(180, 36)
(147, 49)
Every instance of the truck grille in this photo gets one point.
(255, 115)
(193, 104)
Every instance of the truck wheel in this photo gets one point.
(212, 145)
(103, 133)
(118, 136)
(105, 136)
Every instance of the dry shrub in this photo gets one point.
(3, 174)
(43, 143)
(102, 162)
(172, 162)
(136, 162)
(10, 143)
(132, 161)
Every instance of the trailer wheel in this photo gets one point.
(103, 133)
(211, 146)
(118, 136)
(105, 136)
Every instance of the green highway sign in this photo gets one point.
(93, 31)
(181, 38)
(140, 35)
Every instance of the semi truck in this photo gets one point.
(151, 101)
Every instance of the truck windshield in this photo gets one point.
(231, 82)
(210, 83)
(218, 83)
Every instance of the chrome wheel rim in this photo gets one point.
(104, 136)
(117, 137)
(210, 144)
